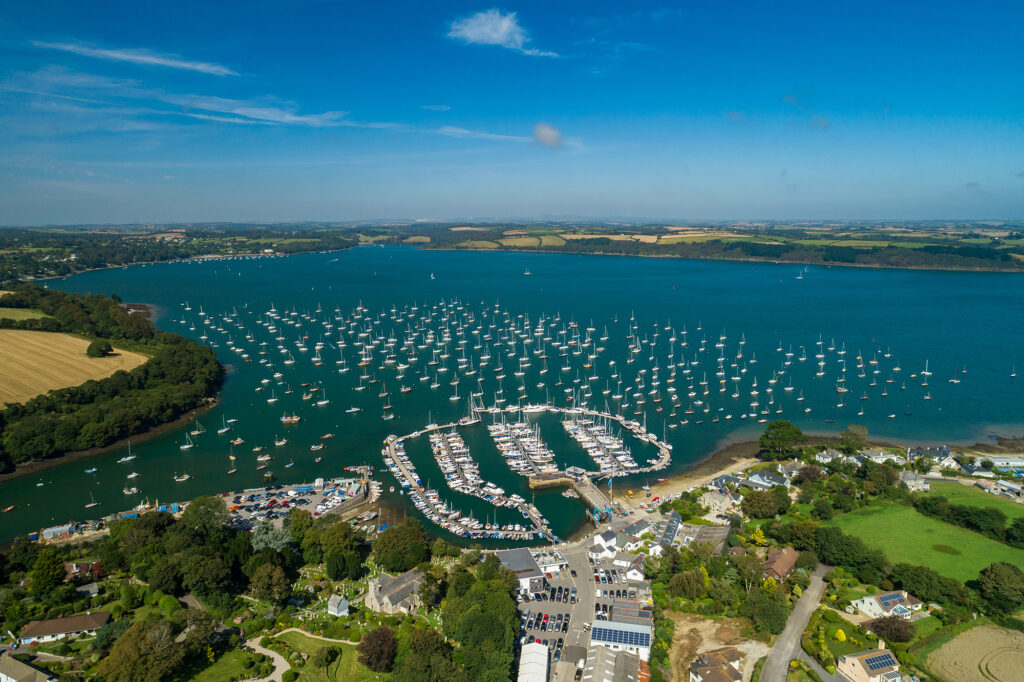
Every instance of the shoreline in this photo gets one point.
(869, 266)
(35, 467)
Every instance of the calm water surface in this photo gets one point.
(954, 321)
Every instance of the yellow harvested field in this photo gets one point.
(982, 654)
(32, 363)
(646, 238)
(551, 240)
(468, 229)
(513, 233)
(418, 239)
(521, 241)
(21, 313)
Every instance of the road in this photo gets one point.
(787, 646)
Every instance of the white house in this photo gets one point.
(337, 605)
(914, 481)
(636, 639)
(769, 478)
(888, 604)
(59, 628)
(829, 455)
(635, 572)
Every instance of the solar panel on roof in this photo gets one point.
(621, 637)
(878, 662)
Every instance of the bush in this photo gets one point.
(99, 349)
(289, 675)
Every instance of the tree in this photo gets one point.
(892, 629)
(298, 522)
(265, 536)
(146, 652)
(270, 582)
(779, 438)
(853, 439)
(99, 349)
(809, 473)
(1002, 586)
(208, 516)
(377, 649)
(782, 501)
(759, 504)
(822, 510)
(1015, 533)
(47, 572)
(340, 537)
(402, 547)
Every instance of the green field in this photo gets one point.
(908, 537)
(970, 496)
(345, 668)
(21, 313)
(227, 666)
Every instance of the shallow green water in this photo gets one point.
(952, 320)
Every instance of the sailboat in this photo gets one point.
(188, 444)
(199, 430)
(224, 428)
(92, 502)
(129, 457)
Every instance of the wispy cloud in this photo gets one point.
(494, 27)
(435, 107)
(452, 131)
(820, 123)
(138, 56)
(268, 111)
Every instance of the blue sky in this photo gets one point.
(210, 111)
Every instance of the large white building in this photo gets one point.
(533, 663)
(636, 639)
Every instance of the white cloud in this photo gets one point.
(260, 111)
(547, 135)
(452, 131)
(138, 56)
(435, 107)
(494, 27)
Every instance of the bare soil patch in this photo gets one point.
(694, 634)
(32, 363)
(982, 654)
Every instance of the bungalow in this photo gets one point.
(628, 611)
(883, 604)
(879, 456)
(59, 628)
(914, 481)
(770, 479)
(947, 462)
(720, 500)
(337, 605)
(829, 455)
(780, 563)
(870, 666)
(727, 479)
(717, 665)
(790, 469)
(941, 454)
(976, 470)
(84, 570)
(13, 670)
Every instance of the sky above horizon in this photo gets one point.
(313, 110)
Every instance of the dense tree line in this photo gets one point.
(988, 521)
(38, 253)
(180, 375)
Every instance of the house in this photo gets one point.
(521, 562)
(914, 481)
(533, 663)
(879, 456)
(829, 455)
(391, 594)
(627, 611)
(780, 563)
(607, 665)
(976, 470)
(13, 670)
(637, 528)
(624, 542)
(59, 628)
(83, 570)
(337, 605)
(769, 478)
(549, 561)
(942, 455)
(600, 552)
(870, 666)
(624, 560)
(606, 539)
(665, 532)
(883, 604)
(717, 665)
(727, 479)
(90, 590)
(631, 637)
(720, 500)
(790, 469)
(635, 572)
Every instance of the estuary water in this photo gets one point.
(705, 352)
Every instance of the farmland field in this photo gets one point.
(982, 654)
(21, 314)
(956, 493)
(909, 537)
(32, 363)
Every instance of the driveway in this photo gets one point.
(280, 664)
(787, 646)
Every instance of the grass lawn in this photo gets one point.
(926, 626)
(970, 496)
(520, 241)
(346, 668)
(224, 668)
(908, 537)
(21, 313)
